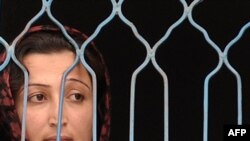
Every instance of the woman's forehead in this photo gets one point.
(62, 59)
(53, 65)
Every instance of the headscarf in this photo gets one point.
(9, 121)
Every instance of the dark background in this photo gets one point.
(186, 58)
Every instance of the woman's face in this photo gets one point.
(45, 75)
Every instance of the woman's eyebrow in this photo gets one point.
(38, 84)
(77, 80)
(34, 84)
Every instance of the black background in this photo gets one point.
(185, 57)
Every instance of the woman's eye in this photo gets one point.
(76, 97)
(37, 98)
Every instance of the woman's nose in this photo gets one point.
(53, 117)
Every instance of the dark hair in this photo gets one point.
(50, 40)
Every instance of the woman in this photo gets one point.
(46, 54)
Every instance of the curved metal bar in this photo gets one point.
(166, 98)
(172, 27)
(45, 7)
(237, 38)
(237, 75)
(239, 90)
(7, 59)
(90, 70)
(132, 97)
(206, 98)
(133, 27)
(25, 97)
(201, 29)
(211, 74)
(47, 2)
(26, 76)
(98, 29)
(60, 111)
(137, 71)
(28, 25)
(162, 73)
(94, 92)
(65, 74)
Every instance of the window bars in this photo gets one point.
(151, 51)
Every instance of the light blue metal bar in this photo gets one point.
(90, 70)
(26, 76)
(25, 98)
(137, 71)
(7, 59)
(238, 78)
(162, 73)
(166, 98)
(211, 74)
(60, 111)
(45, 8)
(150, 55)
(239, 89)
(172, 27)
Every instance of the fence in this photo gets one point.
(220, 52)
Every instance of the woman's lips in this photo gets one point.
(63, 138)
